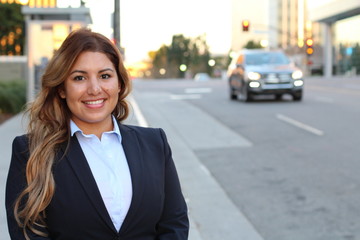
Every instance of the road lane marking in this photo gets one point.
(205, 169)
(198, 90)
(184, 96)
(300, 125)
(324, 99)
(137, 112)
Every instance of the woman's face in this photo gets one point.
(91, 91)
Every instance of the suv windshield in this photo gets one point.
(266, 58)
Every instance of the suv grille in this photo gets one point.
(276, 78)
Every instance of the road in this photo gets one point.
(291, 168)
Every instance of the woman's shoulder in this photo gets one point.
(20, 149)
(139, 129)
(21, 141)
(147, 132)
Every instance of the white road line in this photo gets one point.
(205, 169)
(198, 90)
(324, 99)
(138, 114)
(300, 125)
(184, 96)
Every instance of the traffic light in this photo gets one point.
(309, 46)
(245, 25)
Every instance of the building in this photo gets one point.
(288, 24)
(256, 12)
(339, 37)
(274, 24)
(46, 24)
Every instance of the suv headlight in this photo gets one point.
(254, 76)
(297, 74)
(298, 83)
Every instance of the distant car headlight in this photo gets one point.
(297, 74)
(254, 76)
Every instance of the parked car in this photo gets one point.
(257, 72)
(199, 77)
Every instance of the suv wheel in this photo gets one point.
(248, 97)
(278, 96)
(233, 95)
(297, 96)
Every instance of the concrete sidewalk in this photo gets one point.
(213, 215)
(8, 131)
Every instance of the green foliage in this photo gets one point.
(11, 29)
(252, 44)
(194, 53)
(12, 96)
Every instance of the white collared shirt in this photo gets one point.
(110, 169)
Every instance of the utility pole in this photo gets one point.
(116, 22)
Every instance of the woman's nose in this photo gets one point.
(94, 87)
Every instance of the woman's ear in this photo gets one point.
(62, 93)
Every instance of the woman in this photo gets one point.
(79, 173)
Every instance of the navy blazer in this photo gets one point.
(77, 211)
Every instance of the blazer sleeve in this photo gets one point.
(174, 223)
(16, 182)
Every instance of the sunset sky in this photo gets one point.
(146, 25)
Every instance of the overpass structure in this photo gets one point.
(328, 14)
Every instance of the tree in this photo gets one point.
(178, 54)
(200, 56)
(193, 53)
(252, 44)
(159, 62)
(11, 29)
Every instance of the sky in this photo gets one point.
(147, 25)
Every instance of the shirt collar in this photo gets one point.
(74, 128)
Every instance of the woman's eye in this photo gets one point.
(105, 76)
(78, 78)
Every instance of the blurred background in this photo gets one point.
(162, 39)
(261, 169)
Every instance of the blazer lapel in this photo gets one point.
(78, 162)
(133, 154)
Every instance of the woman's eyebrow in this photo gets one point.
(106, 69)
(82, 71)
(77, 71)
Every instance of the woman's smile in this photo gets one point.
(94, 103)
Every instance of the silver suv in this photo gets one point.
(257, 72)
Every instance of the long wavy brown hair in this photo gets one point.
(49, 118)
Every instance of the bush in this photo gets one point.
(12, 96)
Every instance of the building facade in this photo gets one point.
(256, 12)
(276, 24)
(287, 24)
(340, 40)
(46, 24)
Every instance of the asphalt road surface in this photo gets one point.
(292, 168)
